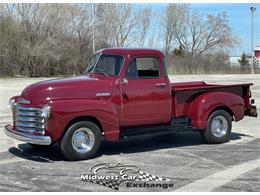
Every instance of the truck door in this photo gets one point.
(146, 93)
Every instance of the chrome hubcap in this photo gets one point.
(219, 126)
(83, 140)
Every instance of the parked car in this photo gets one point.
(124, 92)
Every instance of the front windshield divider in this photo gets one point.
(96, 63)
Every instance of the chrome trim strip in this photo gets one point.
(23, 113)
(28, 119)
(29, 125)
(33, 139)
(28, 108)
(30, 130)
(103, 94)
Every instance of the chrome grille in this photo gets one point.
(28, 119)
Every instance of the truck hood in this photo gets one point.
(81, 87)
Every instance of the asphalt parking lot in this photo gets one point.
(184, 158)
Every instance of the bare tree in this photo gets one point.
(123, 22)
(104, 22)
(55, 39)
(81, 25)
(144, 25)
(199, 35)
(173, 20)
(194, 32)
(118, 24)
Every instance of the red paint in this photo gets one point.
(257, 53)
(138, 103)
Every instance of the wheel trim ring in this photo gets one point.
(219, 126)
(83, 140)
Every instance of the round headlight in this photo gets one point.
(11, 104)
(46, 111)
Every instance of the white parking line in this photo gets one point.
(221, 178)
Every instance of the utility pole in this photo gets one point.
(93, 26)
(252, 9)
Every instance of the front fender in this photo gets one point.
(64, 111)
(204, 104)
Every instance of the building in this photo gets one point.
(233, 60)
(257, 57)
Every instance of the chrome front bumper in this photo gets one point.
(33, 139)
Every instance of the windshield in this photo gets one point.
(92, 62)
(107, 64)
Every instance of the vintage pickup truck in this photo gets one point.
(124, 92)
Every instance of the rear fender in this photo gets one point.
(204, 104)
(64, 111)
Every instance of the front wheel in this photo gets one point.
(218, 128)
(81, 141)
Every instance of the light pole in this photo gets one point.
(252, 9)
(93, 30)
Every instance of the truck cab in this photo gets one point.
(124, 92)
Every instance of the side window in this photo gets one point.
(143, 67)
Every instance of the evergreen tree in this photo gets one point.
(179, 51)
(244, 62)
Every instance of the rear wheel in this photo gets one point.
(81, 141)
(218, 128)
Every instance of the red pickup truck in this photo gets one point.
(124, 92)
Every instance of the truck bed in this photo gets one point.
(196, 85)
(184, 93)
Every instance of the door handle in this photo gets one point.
(124, 81)
(160, 85)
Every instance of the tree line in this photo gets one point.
(57, 39)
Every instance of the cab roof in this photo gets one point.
(132, 51)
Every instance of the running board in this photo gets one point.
(176, 125)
